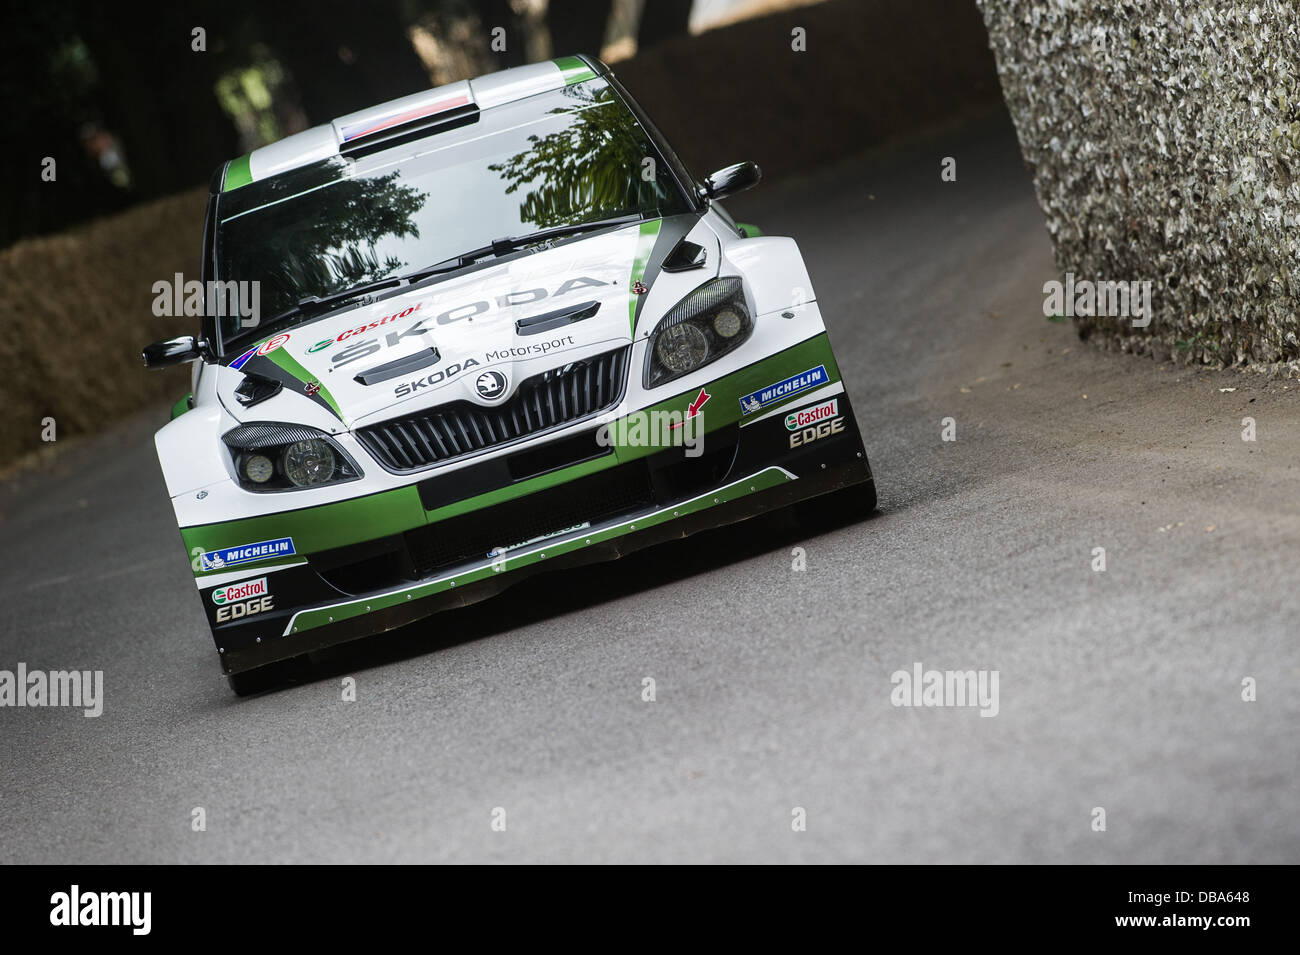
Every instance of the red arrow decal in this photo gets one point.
(694, 408)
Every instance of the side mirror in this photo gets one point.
(173, 351)
(732, 179)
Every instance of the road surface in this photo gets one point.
(1118, 690)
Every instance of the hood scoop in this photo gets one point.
(537, 324)
(256, 388)
(399, 367)
(685, 256)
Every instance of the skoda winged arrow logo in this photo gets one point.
(490, 384)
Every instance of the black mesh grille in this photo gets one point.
(554, 398)
(624, 489)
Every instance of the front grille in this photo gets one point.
(623, 489)
(542, 403)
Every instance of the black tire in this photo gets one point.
(263, 678)
(839, 508)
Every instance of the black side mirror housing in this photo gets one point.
(732, 179)
(173, 351)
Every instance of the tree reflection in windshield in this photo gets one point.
(563, 157)
(589, 169)
(333, 248)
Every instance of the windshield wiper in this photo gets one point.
(315, 301)
(312, 304)
(500, 247)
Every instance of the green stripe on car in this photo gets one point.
(573, 69)
(238, 173)
(290, 365)
(522, 488)
(326, 526)
(723, 406)
(314, 529)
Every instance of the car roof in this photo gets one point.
(378, 123)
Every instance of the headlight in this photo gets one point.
(283, 457)
(681, 348)
(701, 328)
(307, 463)
(258, 468)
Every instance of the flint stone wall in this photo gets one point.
(1164, 141)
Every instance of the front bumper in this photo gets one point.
(470, 546)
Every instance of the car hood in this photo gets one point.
(430, 345)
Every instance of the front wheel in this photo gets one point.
(268, 677)
(848, 505)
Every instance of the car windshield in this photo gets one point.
(555, 159)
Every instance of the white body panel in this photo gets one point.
(776, 283)
(321, 142)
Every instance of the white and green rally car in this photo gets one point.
(485, 330)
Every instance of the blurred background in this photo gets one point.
(1126, 689)
(120, 113)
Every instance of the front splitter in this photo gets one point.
(767, 490)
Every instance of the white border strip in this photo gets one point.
(217, 580)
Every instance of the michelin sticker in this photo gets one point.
(263, 550)
(795, 384)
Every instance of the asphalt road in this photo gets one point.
(1119, 689)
